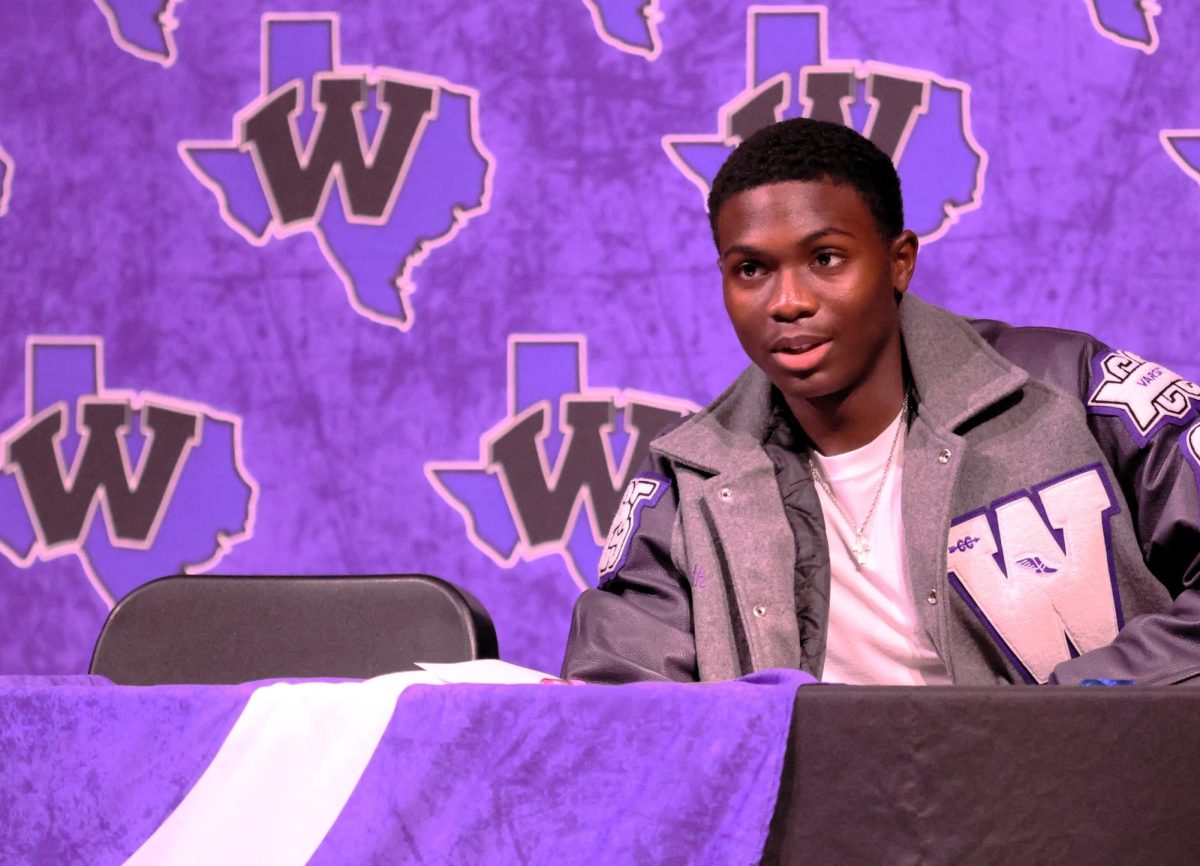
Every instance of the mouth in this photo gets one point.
(798, 345)
(799, 354)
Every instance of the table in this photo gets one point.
(396, 770)
(1028, 775)
(389, 770)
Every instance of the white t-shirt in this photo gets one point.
(875, 636)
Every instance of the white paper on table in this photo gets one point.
(282, 775)
(484, 671)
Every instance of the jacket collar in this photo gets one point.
(727, 433)
(956, 375)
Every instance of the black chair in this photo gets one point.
(225, 629)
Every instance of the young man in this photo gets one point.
(891, 493)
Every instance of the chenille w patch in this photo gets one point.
(1036, 568)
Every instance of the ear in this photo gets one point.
(904, 260)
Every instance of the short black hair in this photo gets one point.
(809, 150)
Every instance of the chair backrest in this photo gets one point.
(230, 629)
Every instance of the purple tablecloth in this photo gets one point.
(654, 773)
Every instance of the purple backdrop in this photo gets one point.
(233, 341)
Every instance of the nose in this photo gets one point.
(791, 299)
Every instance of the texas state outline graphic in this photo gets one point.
(209, 506)
(143, 28)
(546, 372)
(1183, 146)
(6, 180)
(1126, 22)
(941, 165)
(445, 182)
(630, 26)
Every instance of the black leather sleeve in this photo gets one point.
(1158, 477)
(638, 624)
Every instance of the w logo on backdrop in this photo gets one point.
(1127, 22)
(136, 485)
(628, 25)
(1182, 145)
(143, 28)
(550, 476)
(6, 176)
(380, 165)
(922, 121)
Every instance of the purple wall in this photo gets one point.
(376, 374)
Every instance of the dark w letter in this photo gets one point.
(901, 101)
(543, 510)
(61, 512)
(297, 188)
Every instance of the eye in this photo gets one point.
(748, 270)
(828, 258)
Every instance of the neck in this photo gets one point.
(838, 423)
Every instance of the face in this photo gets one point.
(810, 287)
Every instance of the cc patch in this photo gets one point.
(1144, 395)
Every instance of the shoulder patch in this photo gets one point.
(1189, 443)
(1144, 395)
(643, 491)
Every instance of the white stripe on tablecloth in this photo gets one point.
(282, 776)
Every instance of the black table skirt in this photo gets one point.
(1001, 775)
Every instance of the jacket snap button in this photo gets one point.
(759, 610)
(726, 494)
(932, 597)
(944, 455)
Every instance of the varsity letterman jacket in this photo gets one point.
(1050, 513)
